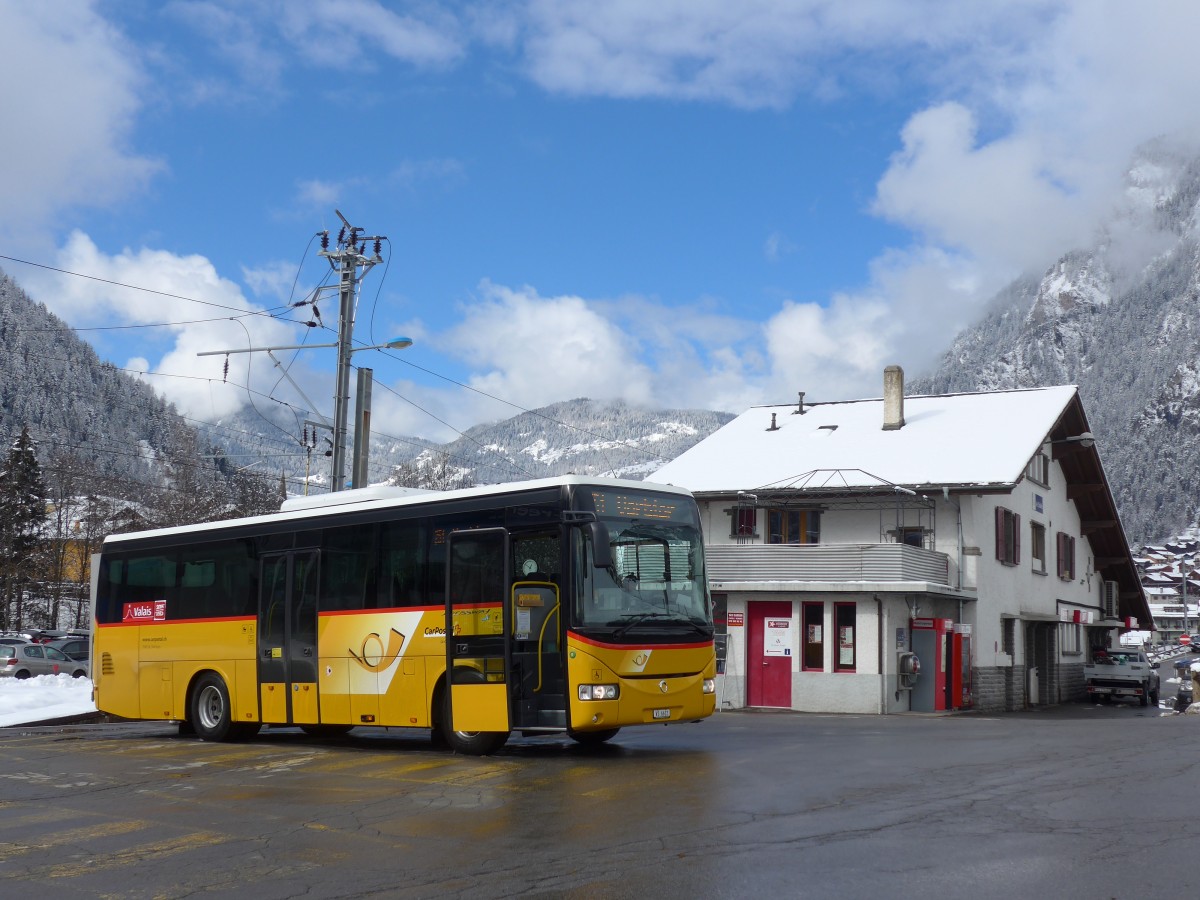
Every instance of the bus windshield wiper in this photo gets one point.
(634, 619)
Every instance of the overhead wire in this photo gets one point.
(629, 445)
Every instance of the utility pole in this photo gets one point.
(348, 258)
(1183, 592)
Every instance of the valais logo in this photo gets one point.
(149, 611)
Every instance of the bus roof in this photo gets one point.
(384, 497)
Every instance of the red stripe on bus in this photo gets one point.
(384, 610)
(584, 640)
(178, 621)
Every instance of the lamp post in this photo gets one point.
(1183, 593)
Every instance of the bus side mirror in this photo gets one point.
(601, 551)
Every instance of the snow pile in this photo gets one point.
(44, 697)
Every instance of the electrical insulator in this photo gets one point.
(342, 235)
(225, 375)
(362, 248)
(316, 312)
(378, 246)
(305, 435)
(324, 240)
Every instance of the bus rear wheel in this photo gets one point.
(592, 738)
(211, 714)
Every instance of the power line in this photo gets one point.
(132, 287)
(245, 314)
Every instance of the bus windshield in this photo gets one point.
(656, 581)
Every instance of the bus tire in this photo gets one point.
(468, 743)
(592, 738)
(211, 714)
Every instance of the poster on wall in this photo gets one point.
(846, 645)
(777, 637)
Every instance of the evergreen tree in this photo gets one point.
(22, 520)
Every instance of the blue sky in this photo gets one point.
(688, 203)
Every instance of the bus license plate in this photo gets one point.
(662, 714)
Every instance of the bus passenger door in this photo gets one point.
(287, 638)
(477, 647)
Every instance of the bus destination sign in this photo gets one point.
(634, 506)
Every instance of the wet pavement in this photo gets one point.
(745, 804)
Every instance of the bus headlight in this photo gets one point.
(598, 692)
(710, 686)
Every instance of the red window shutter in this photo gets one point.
(1061, 553)
(1000, 533)
(1016, 554)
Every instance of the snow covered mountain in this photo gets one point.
(583, 437)
(1121, 320)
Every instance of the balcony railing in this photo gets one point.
(825, 562)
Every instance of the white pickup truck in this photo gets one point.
(1122, 672)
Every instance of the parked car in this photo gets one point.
(27, 660)
(76, 648)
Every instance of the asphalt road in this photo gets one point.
(1057, 803)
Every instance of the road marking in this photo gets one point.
(74, 836)
(132, 855)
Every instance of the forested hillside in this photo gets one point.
(98, 431)
(1121, 320)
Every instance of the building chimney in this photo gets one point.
(893, 398)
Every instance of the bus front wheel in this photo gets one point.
(591, 738)
(468, 743)
(211, 715)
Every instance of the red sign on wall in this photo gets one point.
(736, 618)
(146, 611)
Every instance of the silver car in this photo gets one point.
(27, 660)
(75, 647)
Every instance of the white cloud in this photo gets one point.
(275, 280)
(69, 87)
(534, 350)
(757, 53)
(197, 310)
(777, 246)
(958, 193)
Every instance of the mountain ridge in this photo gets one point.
(1119, 319)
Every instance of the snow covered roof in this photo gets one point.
(1161, 592)
(983, 439)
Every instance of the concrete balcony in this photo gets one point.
(827, 563)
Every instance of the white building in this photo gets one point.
(976, 530)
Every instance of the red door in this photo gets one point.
(769, 676)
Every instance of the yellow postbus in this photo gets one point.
(559, 606)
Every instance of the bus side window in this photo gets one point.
(404, 568)
(348, 566)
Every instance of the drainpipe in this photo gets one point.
(882, 676)
(959, 528)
